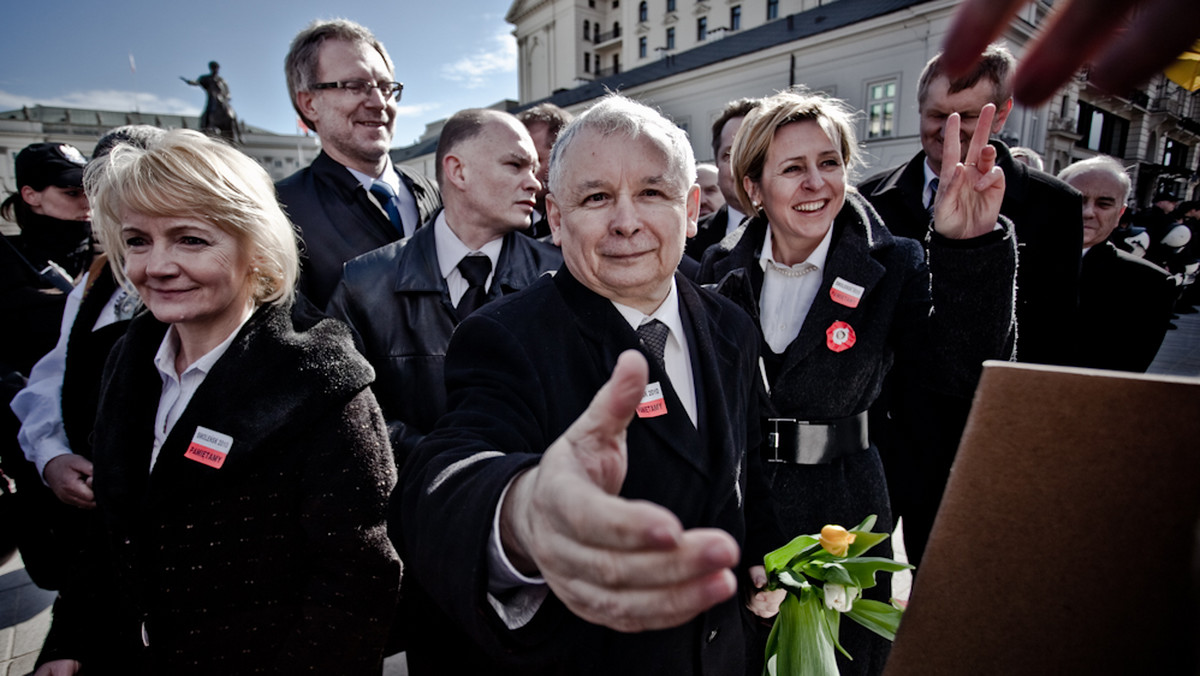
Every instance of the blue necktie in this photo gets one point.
(387, 197)
(933, 186)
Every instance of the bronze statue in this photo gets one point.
(218, 118)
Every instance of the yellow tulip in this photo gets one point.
(836, 540)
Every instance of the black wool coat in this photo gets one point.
(276, 562)
(339, 219)
(519, 371)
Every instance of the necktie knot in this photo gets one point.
(387, 199)
(475, 270)
(653, 335)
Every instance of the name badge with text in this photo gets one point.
(653, 404)
(209, 447)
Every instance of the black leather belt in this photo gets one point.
(815, 443)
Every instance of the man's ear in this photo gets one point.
(304, 101)
(554, 219)
(454, 171)
(1001, 115)
(693, 209)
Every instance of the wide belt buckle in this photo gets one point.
(774, 438)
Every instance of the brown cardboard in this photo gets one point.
(1067, 539)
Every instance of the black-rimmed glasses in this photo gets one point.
(362, 88)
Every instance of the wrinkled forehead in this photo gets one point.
(653, 153)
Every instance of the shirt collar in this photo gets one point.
(451, 250)
(164, 359)
(766, 259)
(389, 176)
(667, 313)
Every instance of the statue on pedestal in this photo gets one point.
(218, 118)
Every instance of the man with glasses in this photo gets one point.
(351, 199)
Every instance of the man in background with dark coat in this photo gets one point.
(351, 199)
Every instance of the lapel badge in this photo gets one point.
(839, 337)
(209, 447)
(846, 293)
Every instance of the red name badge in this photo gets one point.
(846, 293)
(209, 447)
(653, 404)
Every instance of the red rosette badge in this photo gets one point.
(839, 337)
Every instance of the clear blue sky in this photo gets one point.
(449, 55)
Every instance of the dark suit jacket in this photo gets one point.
(709, 231)
(1125, 309)
(277, 562)
(395, 299)
(519, 371)
(339, 220)
(1048, 217)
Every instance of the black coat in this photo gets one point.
(396, 301)
(519, 371)
(1048, 217)
(710, 230)
(339, 219)
(278, 561)
(938, 355)
(1125, 309)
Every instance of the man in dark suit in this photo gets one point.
(405, 299)
(713, 228)
(1125, 302)
(351, 199)
(571, 534)
(1045, 213)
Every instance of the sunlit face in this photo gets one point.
(939, 104)
(725, 179)
(65, 204)
(188, 272)
(711, 198)
(498, 173)
(620, 218)
(1103, 204)
(355, 130)
(803, 187)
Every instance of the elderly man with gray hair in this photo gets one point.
(592, 498)
(1125, 302)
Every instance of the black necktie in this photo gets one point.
(933, 186)
(475, 270)
(654, 337)
(387, 199)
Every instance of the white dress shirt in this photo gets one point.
(451, 250)
(410, 217)
(177, 389)
(788, 292)
(735, 219)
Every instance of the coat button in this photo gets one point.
(712, 635)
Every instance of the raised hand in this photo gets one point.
(970, 192)
(1128, 46)
(624, 564)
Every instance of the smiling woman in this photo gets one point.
(839, 300)
(241, 462)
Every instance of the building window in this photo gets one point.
(671, 38)
(616, 29)
(592, 3)
(735, 18)
(670, 5)
(643, 11)
(587, 29)
(597, 60)
(772, 9)
(642, 47)
(1101, 131)
(587, 62)
(702, 29)
(881, 109)
(616, 63)
(616, 4)
(1175, 154)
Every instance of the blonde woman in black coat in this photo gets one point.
(839, 300)
(242, 465)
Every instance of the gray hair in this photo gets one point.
(615, 114)
(1099, 163)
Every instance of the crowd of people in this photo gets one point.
(546, 411)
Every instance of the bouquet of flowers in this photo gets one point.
(824, 576)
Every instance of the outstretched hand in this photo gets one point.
(624, 564)
(1128, 47)
(971, 192)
